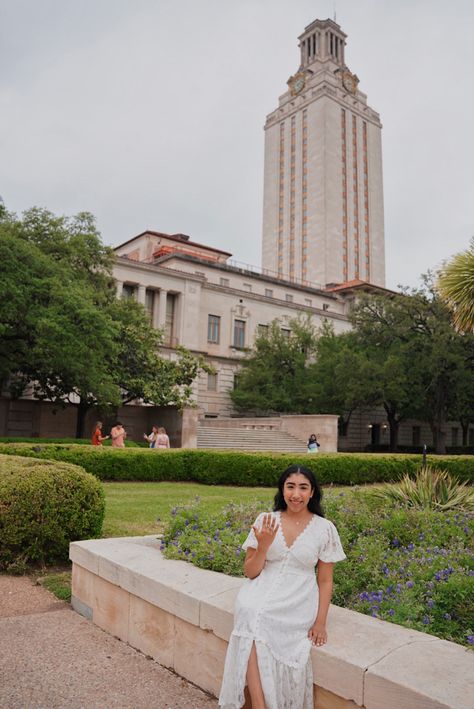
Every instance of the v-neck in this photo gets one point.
(308, 524)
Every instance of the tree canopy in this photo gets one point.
(402, 354)
(456, 286)
(64, 332)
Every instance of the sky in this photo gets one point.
(150, 114)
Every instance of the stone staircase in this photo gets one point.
(248, 439)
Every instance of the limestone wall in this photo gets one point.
(182, 617)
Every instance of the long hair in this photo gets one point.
(314, 504)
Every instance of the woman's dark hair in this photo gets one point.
(314, 504)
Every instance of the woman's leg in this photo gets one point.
(253, 681)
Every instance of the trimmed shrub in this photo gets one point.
(44, 505)
(238, 467)
(75, 441)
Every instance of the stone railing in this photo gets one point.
(182, 617)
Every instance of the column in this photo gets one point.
(119, 285)
(141, 294)
(162, 308)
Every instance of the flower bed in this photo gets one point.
(406, 566)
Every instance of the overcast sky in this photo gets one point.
(150, 113)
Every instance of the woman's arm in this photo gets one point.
(255, 558)
(317, 633)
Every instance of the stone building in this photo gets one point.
(323, 189)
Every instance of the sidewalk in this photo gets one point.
(53, 658)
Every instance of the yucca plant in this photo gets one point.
(456, 285)
(432, 488)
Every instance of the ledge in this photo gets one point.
(182, 616)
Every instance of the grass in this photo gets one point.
(134, 509)
(59, 584)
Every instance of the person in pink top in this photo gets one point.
(162, 440)
(118, 435)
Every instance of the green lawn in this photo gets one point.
(144, 507)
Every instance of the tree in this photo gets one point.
(64, 331)
(424, 357)
(339, 380)
(456, 286)
(272, 378)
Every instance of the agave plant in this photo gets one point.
(456, 285)
(432, 488)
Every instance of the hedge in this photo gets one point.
(44, 506)
(237, 467)
(77, 441)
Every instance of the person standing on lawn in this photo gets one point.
(97, 436)
(118, 435)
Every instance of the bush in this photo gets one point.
(75, 441)
(44, 506)
(433, 489)
(237, 467)
(407, 566)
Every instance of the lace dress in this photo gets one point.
(276, 610)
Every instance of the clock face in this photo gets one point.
(349, 81)
(297, 83)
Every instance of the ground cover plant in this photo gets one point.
(408, 566)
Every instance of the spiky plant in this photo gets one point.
(432, 488)
(456, 286)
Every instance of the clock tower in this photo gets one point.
(323, 195)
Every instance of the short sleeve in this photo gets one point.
(251, 540)
(332, 550)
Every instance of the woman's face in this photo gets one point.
(297, 492)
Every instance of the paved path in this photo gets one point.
(52, 658)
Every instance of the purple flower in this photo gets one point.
(430, 603)
(470, 639)
(194, 527)
(426, 620)
(395, 543)
(447, 616)
(391, 612)
(238, 551)
(409, 584)
(411, 546)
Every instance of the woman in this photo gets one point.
(162, 440)
(313, 444)
(151, 438)
(97, 436)
(118, 435)
(282, 609)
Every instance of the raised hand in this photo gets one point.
(266, 534)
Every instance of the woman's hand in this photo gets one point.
(266, 534)
(317, 634)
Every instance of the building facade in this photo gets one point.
(205, 303)
(323, 217)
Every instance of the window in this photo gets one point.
(268, 293)
(454, 436)
(150, 304)
(212, 382)
(286, 332)
(308, 302)
(415, 435)
(288, 297)
(213, 328)
(236, 380)
(200, 273)
(247, 287)
(471, 437)
(129, 291)
(262, 330)
(325, 306)
(239, 333)
(224, 282)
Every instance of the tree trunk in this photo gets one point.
(394, 427)
(439, 438)
(82, 409)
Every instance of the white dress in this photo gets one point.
(276, 610)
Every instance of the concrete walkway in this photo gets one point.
(52, 658)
